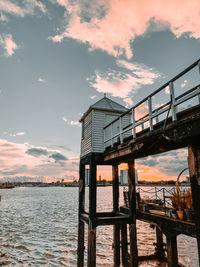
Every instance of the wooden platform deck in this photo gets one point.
(175, 135)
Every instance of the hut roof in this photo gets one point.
(105, 104)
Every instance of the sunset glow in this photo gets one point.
(59, 57)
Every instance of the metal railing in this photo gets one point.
(152, 116)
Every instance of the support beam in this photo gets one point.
(160, 252)
(92, 191)
(194, 170)
(172, 256)
(91, 246)
(115, 180)
(124, 245)
(80, 250)
(92, 214)
(132, 226)
(133, 245)
(116, 244)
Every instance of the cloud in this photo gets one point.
(76, 123)
(93, 97)
(97, 23)
(163, 166)
(23, 8)
(127, 80)
(184, 83)
(41, 80)
(58, 157)
(11, 8)
(24, 161)
(128, 101)
(71, 122)
(37, 152)
(64, 119)
(6, 41)
(17, 134)
(3, 18)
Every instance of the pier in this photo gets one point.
(111, 135)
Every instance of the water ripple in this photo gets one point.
(38, 226)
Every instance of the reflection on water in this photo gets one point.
(38, 226)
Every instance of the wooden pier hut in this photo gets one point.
(112, 135)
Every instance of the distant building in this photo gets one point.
(123, 179)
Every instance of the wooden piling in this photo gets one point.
(194, 170)
(172, 255)
(92, 214)
(115, 179)
(116, 244)
(116, 228)
(132, 226)
(160, 252)
(80, 250)
(124, 245)
(91, 246)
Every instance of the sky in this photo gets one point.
(58, 57)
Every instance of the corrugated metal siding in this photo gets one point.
(86, 142)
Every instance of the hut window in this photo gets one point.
(83, 124)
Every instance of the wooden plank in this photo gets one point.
(115, 180)
(113, 220)
(179, 135)
(116, 245)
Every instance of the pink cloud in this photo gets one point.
(26, 160)
(163, 166)
(8, 44)
(128, 101)
(123, 83)
(125, 20)
(27, 7)
(9, 7)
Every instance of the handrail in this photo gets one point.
(156, 91)
(153, 113)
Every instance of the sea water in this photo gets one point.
(38, 227)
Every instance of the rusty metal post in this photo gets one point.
(132, 226)
(81, 226)
(92, 214)
(172, 256)
(124, 245)
(194, 170)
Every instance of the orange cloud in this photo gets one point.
(123, 83)
(113, 25)
(26, 160)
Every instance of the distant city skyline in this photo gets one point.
(58, 57)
